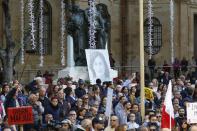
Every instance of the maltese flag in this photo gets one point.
(167, 120)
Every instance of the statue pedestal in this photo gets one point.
(76, 72)
(80, 72)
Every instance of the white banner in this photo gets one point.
(98, 65)
(109, 102)
(191, 113)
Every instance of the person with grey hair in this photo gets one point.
(37, 110)
(86, 125)
(42, 97)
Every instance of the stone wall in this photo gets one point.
(183, 31)
(1, 24)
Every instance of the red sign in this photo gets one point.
(20, 115)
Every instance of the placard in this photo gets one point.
(98, 65)
(109, 102)
(191, 113)
(20, 115)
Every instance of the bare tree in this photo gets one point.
(7, 54)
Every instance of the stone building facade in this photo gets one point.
(124, 32)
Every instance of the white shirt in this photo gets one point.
(132, 125)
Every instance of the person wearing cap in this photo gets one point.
(66, 125)
(97, 124)
(114, 122)
(80, 91)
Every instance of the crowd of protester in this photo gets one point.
(69, 105)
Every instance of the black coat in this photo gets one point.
(54, 111)
(79, 92)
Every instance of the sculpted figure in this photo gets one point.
(78, 26)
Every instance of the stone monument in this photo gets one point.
(77, 40)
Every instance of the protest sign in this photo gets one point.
(109, 102)
(98, 65)
(191, 113)
(20, 115)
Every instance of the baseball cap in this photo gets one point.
(80, 81)
(98, 120)
(88, 115)
(66, 121)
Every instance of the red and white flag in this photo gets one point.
(167, 120)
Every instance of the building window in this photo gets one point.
(156, 36)
(47, 28)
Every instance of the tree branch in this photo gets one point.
(17, 56)
(9, 40)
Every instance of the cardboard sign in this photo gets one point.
(191, 113)
(98, 65)
(109, 102)
(20, 115)
(148, 93)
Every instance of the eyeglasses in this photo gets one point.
(113, 120)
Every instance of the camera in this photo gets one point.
(54, 124)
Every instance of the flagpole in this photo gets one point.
(141, 20)
(170, 108)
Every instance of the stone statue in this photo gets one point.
(104, 26)
(77, 27)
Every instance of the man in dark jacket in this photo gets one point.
(80, 91)
(42, 97)
(63, 104)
